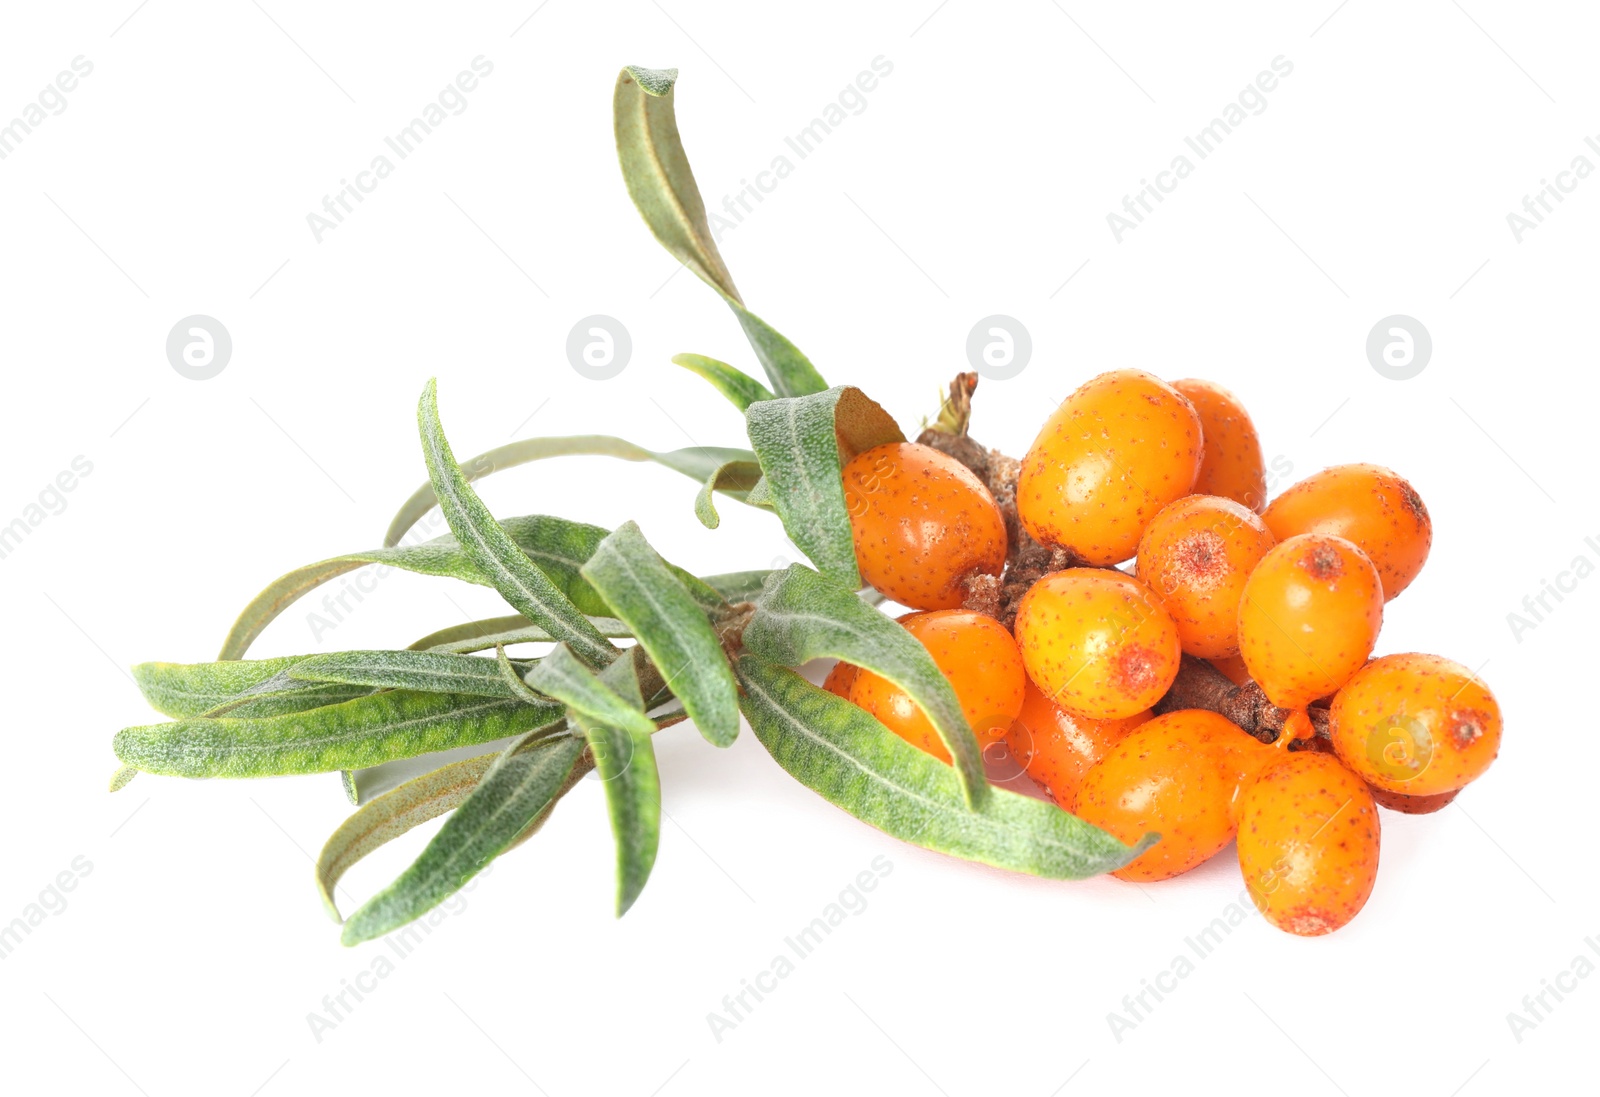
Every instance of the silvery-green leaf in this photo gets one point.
(663, 188)
(378, 727)
(625, 759)
(497, 631)
(840, 752)
(561, 676)
(190, 689)
(556, 546)
(739, 387)
(425, 671)
(803, 444)
(803, 615)
(671, 626)
(386, 817)
(496, 555)
(735, 474)
(515, 794)
(695, 462)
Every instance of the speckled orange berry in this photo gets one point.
(977, 655)
(922, 522)
(1240, 754)
(840, 679)
(1056, 748)
(1112, 454)
(1097, 642)
(1411, 805)
(1368, 504)
(1196, 555)
(1161, 777)
(1416, 724)
(1309, 616)
(1233, 467)
(1232, 668)
(1308, 843)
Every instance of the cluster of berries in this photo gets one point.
(1167, 480)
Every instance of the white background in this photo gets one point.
(976, 181)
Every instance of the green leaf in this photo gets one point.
(378, 727)
(516, 793)
(513, 574)
(385, 818)
(803, 445)
(424, 671)
(695, 462)
(556, 546)
(803, 615)
(663, 188)
(643, 591)
(190, 689)
(120, 779)
(282, 695)
(737, 586)
(739, 387)
(840, 752)
(625, 758)
(499, 631)
(563, 677)
(735, 474)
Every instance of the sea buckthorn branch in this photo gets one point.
(1201, 685)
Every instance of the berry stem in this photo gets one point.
(1201, 685)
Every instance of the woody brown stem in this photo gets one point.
(1201, 685)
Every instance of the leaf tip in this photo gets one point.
(656, 82)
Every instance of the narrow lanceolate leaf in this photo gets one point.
(424, 671)
(562, 677)
(281, 694)
(387, 817)
(733, 474)
(693, 462)
(189, 689)
(515, 794)
(379, 727)
(803, 615)
(625, 759)
(671, 627)
(662, 186)
(497, 631)
(737, 586)
(556, 546)
(803, 445)
(513, 574)
(739, 387)
(840, 752)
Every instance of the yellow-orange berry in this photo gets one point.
(1232, 467)
(1416, 724)
(1308, 843)
(1164, 777)
(1309, 616)
(1097, 642)
(1412, 805)
(1056, 747)
(1112, 454)
(1196, 555)
(922, 523)
(1368, 504)
(977, 655)
(841, 678)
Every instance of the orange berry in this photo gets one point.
(922, 522)
(1232, 467)
(841, 678)
(1097, 642)
(1411, 805)
(1309, 617)
(977, 655)
(1112, 454)
(1240, 754)
(1367, 504)
(1164, 776)
(1056, 748)
(1416, 724)
(1196, 555)
(1232, 668)
(1308, 843)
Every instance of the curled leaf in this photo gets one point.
(734, 474)
(739, 387)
